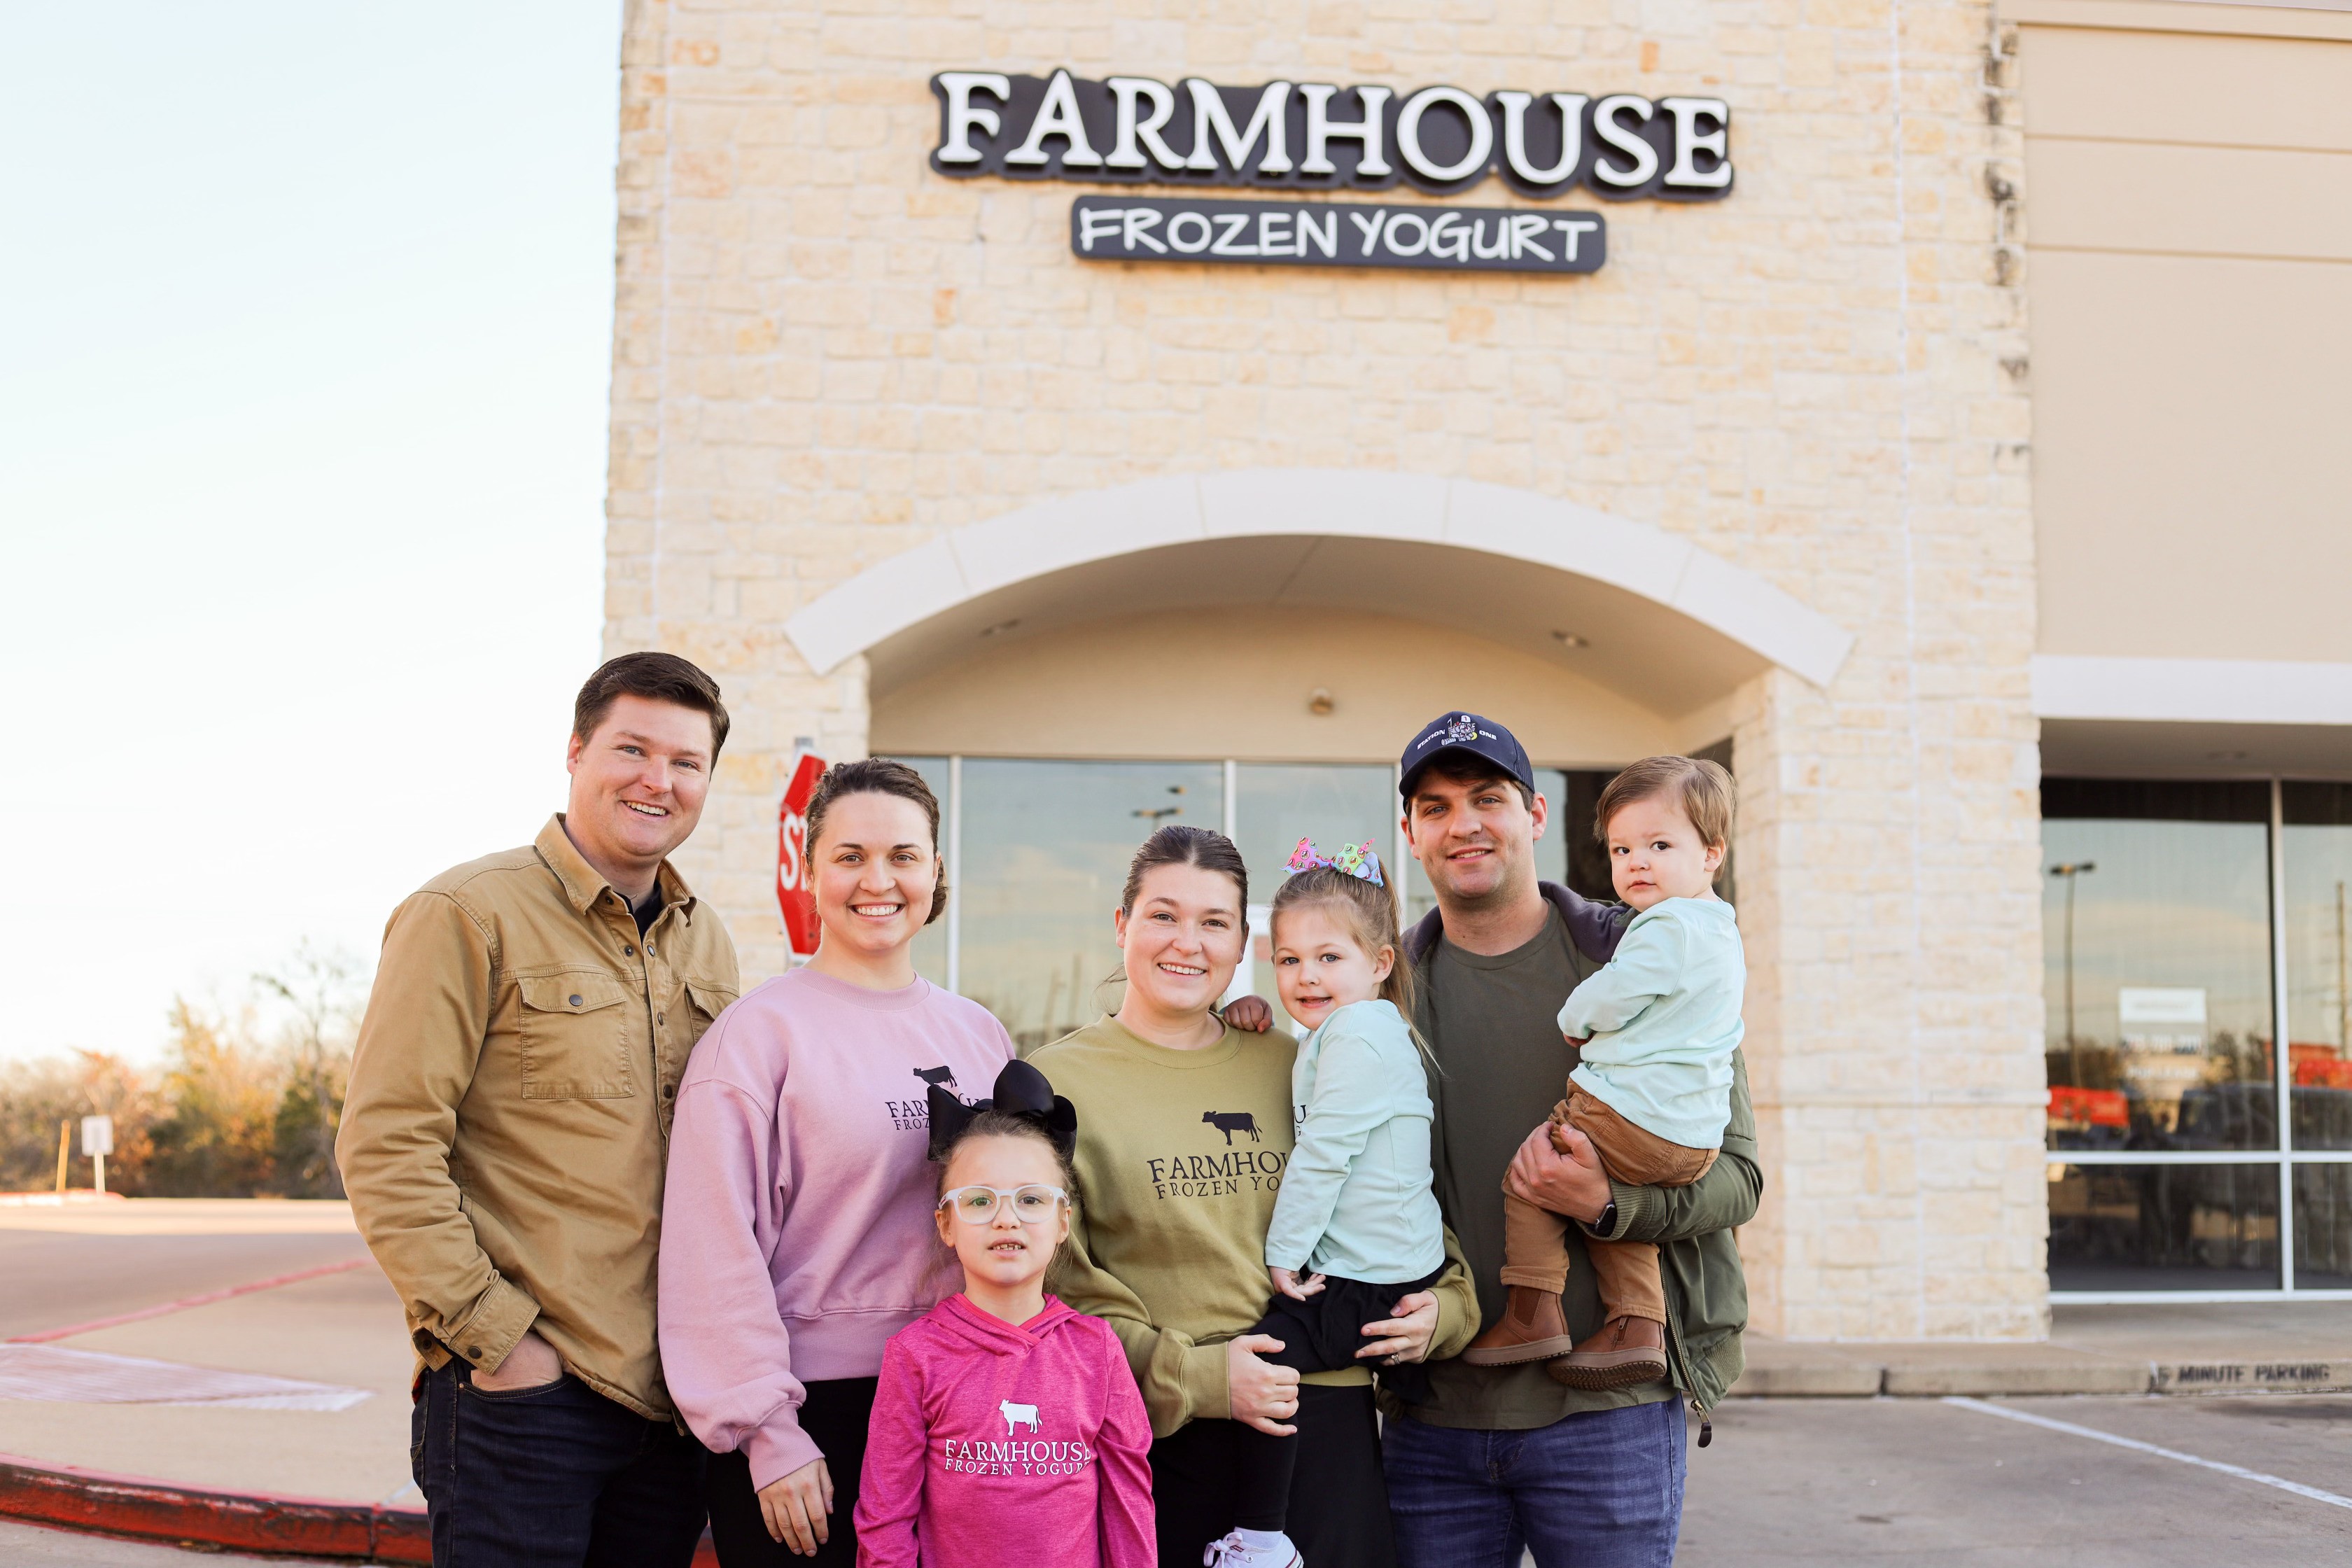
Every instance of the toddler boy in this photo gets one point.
(1653, 1089)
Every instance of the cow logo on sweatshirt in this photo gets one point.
(914, 1115)
(1014, 1455)
(1231, 1121)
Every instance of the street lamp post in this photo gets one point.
(2068, 873)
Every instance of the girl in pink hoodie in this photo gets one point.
(1006, 1427)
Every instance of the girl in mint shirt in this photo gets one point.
(1356, 1222)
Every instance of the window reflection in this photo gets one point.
(2164, 1227)
(1046, 847)
(2156, 921)
(2317, 849)
(2322, 1228)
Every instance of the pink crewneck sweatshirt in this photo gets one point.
(993, 1443)
(797, 1227)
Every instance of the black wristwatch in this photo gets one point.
(1606, 1225)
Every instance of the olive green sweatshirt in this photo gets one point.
(1180, 1156)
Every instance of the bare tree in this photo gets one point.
(323, 990)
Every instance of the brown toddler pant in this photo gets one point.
(1535, 1240)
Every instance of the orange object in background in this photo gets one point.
(2089, 1107)
(2328, 1071)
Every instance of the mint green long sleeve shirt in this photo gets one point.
(1660, 1022)
(1356, 1200)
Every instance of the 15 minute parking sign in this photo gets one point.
(1336, 234)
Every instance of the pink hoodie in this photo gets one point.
(797, 1227)
(993, 1445)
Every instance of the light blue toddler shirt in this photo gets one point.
(1661, 1020)
(1356, 1202)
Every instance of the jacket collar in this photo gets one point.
(583, 884)
(1422, 941)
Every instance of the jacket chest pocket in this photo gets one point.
(705, 1002)
(574, 1036)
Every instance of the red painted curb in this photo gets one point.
(185, 1302)
(47, 1493)
(75, 1498)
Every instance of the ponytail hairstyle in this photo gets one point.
(1180, 844)
(878, 775)
(1369, 911)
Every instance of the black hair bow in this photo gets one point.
(1020, 1090)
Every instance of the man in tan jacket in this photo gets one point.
(506, 1128)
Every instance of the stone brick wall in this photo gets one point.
(826, 354)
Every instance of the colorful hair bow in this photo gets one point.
(1355, 860)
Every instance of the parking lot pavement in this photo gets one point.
(1792, 1482)
(59, 1267)
(29, 1546)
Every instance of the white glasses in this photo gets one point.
(1033, 1205)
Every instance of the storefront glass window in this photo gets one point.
(1045, 854)
(2317, 849)
(2322, 1228)
(2156, 921)
(2164, 1227)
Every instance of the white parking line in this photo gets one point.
(2281, 1482)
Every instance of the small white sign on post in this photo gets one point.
(98, 1143)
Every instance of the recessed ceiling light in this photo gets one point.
(1570, 639)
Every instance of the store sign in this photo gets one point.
(1335, 234)
(1318, 136)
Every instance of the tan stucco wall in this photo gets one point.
(1106, 689)
(2190, 196)
(826, 354)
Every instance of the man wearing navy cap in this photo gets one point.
(1503, 1457)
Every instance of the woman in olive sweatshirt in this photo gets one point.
(1184, 1127)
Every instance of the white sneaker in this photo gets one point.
(1233, 1552)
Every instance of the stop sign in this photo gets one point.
(793, 899)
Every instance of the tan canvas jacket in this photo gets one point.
(508, 1124)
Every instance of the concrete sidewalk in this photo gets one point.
(2300, 1347)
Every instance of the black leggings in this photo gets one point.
(1321, 1333)
(1339, 1512)
(834, 1416)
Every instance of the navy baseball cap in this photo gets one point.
(1467, 732)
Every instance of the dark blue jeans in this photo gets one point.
(558, 1477)
(1603, 1489)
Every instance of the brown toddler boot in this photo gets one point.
(1532, 1329)
(1625, 1351)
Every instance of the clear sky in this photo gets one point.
(302, 395)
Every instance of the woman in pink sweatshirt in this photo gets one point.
(797, 1227)
(1007, 1427)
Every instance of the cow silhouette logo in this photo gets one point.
(943, 1077)
(1231, 1121)
(1017, 1417)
